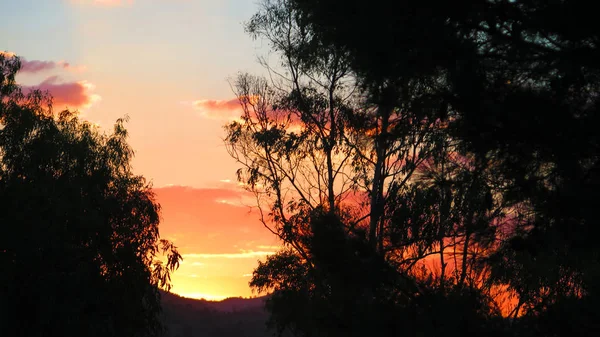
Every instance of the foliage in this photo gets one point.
(467, 131)
(80, 245)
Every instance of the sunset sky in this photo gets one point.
(165, 63)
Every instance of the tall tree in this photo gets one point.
(80, 248)
(314, 138)
(522, 76)
(369, 169)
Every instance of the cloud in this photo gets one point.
(209, 238)
(204, 223)
(227, 196)
(219, 109)
(37, 66)
(68, 94)
(243, 254)
(269, 247)
(202, 296)
(236, 203)
(232, 104)
(231, 110)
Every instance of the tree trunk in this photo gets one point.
(377, 206)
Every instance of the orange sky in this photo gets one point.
(219, 237)
(165, 63)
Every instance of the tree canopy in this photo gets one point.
(417, 156)
(80, 248)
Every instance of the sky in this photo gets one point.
(165, 64)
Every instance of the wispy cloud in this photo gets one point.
(233, 202)
(232, 110)
(37, 66)
(269, 247)
(202, 296)
(231, 195)
(244, 254)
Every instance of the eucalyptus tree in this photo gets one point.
(368, 163)
(80, 250)
(522, 76)
(313, 135)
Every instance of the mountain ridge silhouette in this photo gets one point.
(236, 316)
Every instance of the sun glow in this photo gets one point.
(203, 296)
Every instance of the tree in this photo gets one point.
(314, 138)
(80, 245)
(470, 133)
(522, 78)
(365, 175)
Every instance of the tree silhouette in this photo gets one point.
(80, 245)
(469, 129)
(363, 183)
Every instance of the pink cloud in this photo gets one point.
(231, 110)
(219, 109)
(36, 66)
(69, 94)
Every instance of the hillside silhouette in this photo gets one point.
(187, 317)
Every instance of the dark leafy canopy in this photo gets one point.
(80, 234)
(523, 76)
(367, 191)
(499, 100)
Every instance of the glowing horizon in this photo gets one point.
(165, 64)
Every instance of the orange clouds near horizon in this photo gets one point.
(219, 236)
